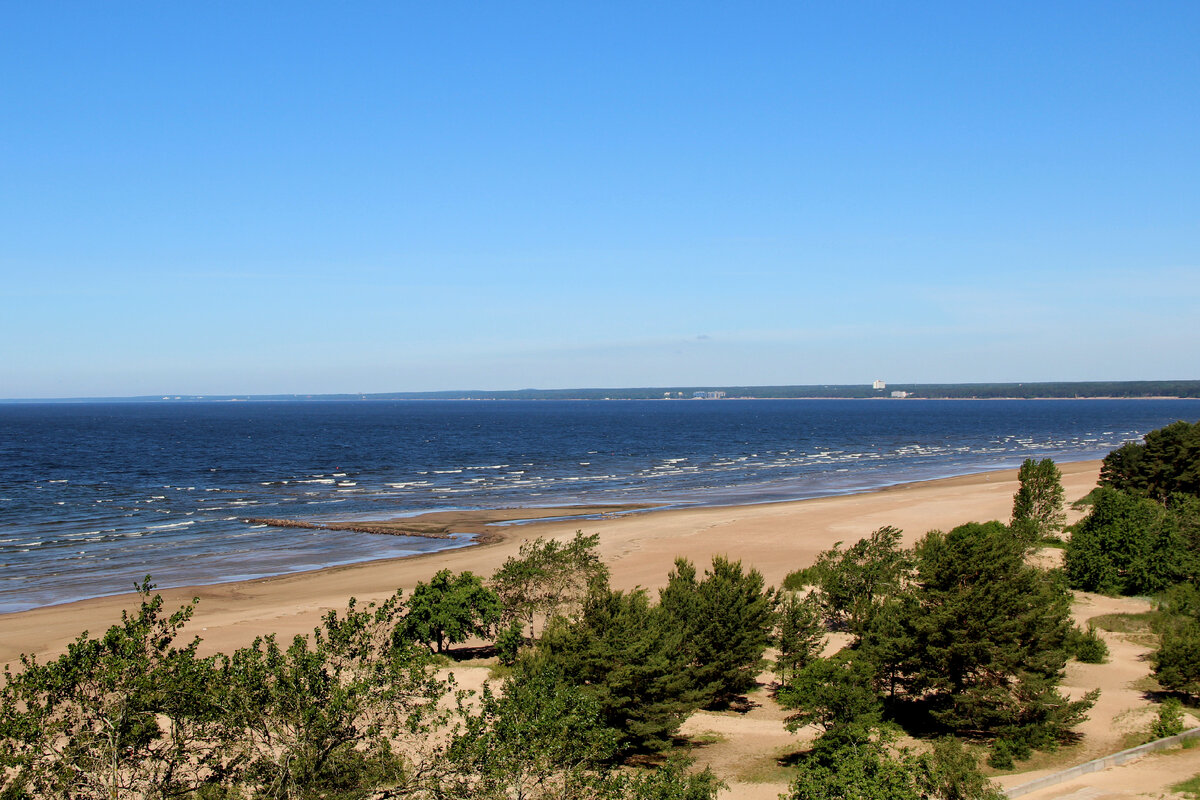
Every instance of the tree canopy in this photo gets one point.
(548, 577)
(449, 609)
(632, 657)
(1166, 463)
(1038, 504)
(725, 620)
(1127, 545)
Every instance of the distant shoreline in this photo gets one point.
(1040, 390)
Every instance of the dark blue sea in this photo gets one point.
(95, 496)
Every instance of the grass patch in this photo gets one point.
(1060, 758)
(498, 671)
(1190, 787)
(1087, 501)
(1146, 684)
(777, 767)
(706, 738)
(1143, 622)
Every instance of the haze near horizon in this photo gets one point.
(223, 199)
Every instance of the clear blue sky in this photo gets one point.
(251, 197)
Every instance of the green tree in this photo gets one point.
(868, 768)
(1166, 463)
(1177, 661)
(854, 582)
(836, 694)
(449, 609)
(509, 642)
(1126, 545)
(950, 772)
(548, 577)
(1038, 504)
(631, 657)
(1168, 721)
(125, 715)
(888, 643)
(799, 632)
(322, 717)
(725, 620)
(540, 737)
(990, 637)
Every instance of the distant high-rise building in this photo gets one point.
(878, 385)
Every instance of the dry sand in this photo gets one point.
(640, 549)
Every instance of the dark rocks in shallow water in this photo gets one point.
(388, 529)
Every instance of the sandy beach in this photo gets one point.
(639, 548)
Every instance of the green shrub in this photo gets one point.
(1169, 721)
(801, 578)
(1087, 646)
(509, 642)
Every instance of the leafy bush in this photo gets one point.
(1087, 646)
(509, 643)
(801, 579)
(1127, 545)
(1168, 721)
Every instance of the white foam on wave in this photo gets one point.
(172, 526)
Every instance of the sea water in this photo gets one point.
(95, 496)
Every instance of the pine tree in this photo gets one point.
(799, 632)
(990, 637)
(631, 657)
(726, 620)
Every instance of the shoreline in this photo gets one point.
(639, 547)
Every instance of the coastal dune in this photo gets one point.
(640, 549)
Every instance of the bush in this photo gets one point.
(1087, 646)
(801, 579)
(509, 643)
(1169, 720)
(1177, 662)
(1127, 545)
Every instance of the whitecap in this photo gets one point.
(172, 526)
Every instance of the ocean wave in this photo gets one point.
(172, 526)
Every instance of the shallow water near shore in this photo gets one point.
(95, 496)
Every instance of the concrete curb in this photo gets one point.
(1123, 757)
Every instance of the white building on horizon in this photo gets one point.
(878, 385)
